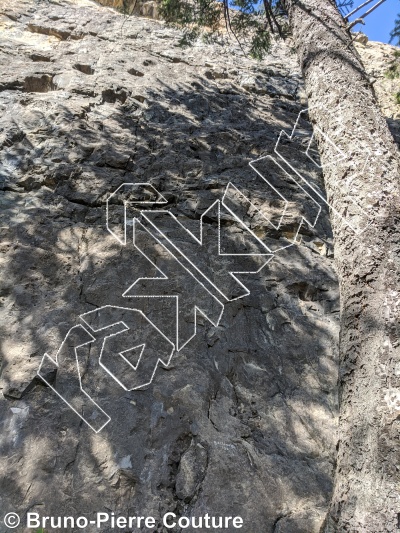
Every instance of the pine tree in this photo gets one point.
(395, 33)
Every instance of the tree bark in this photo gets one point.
(345, 115)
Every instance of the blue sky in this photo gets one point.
(380, 23)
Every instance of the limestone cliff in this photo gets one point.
(144, 8)
(378, 58)
(242, 421)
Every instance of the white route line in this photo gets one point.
(341, 157)
(312, 224)
(200, 242)
(127, 328)
(56, 363)
(179, 347)
(159, 199)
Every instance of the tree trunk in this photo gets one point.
(345, 115)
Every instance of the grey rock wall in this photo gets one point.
(144, 8)
(243, 421)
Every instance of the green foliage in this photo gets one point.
(201, 13)
(345, 6)
(395, 33)
(41, 530)
(393, 72)
(251, 22)
(245, 19)
(394, 69)
(260, 43)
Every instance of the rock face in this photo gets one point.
(378, 58)
(144, 8)
(242, 421)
